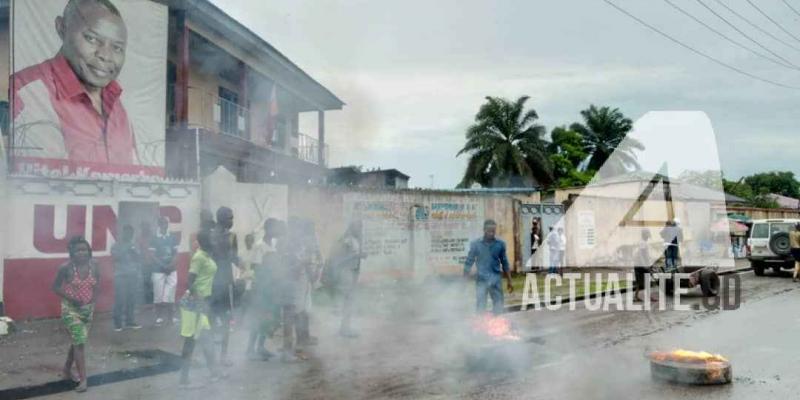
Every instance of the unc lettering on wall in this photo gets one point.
(103, 223)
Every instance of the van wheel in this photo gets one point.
(758, 268)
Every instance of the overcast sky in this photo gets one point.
(413, 73)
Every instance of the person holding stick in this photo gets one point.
(225, 254)
(194, 307)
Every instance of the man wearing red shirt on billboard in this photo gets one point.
(68, 107)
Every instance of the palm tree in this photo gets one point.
(505, 146)
(603, 131)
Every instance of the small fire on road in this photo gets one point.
(495, 327)
(691, 367)
(495, 346)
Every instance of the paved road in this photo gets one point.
(562, 354)
(760, 339)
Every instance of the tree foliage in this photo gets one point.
(752, 197)
(779, 182)
(603, 130)
(506, 146)
(567, 152)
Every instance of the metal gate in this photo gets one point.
(547, 214)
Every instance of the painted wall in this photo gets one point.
(252, 203)
(42, 215)
(408, 233)
(602, 217)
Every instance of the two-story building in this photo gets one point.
(230, 95)
(231, 99)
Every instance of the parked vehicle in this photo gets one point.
(768, 245)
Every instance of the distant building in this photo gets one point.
(378, 178)
(785, 201)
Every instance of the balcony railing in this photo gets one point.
(308, 150)
(218, 114)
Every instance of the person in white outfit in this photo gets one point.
(562, 250)
(554, 246)
(165, 277)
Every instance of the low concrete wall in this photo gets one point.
(408, 233)
(766, 213)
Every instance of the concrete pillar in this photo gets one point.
(321, 137)
(182, 71)
(244, 97)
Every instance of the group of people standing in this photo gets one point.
(556, 242)
(269, 287)
(77, 285)
(144, 270)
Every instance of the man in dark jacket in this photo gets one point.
(225, 255)
(127, 269)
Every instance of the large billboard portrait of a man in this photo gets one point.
(89, 87)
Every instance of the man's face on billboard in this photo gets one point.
(93, 42)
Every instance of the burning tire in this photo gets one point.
(495, 347)
(691, 368)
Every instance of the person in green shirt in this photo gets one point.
(195, 326)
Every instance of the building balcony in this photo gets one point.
(308, 150)
(220, 132)
(195, 152)
(217, 114)
(213, 114)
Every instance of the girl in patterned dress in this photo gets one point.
(77, 284)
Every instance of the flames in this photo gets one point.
(687, 356)
(496, 327)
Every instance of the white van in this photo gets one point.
(768, 245)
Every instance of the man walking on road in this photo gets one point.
(344, 267)
(673, 236)
(794, 240)
(489, 255)
(562, 250)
